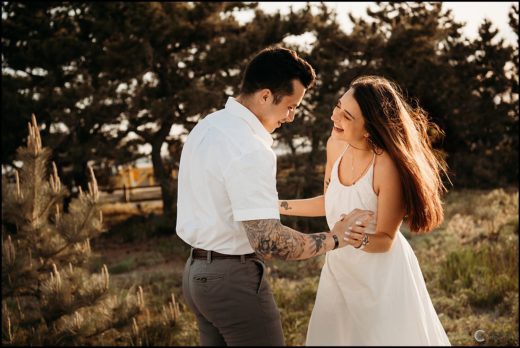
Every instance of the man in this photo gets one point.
(228, 206)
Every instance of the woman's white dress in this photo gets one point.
(370, 298)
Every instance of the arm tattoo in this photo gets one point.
(319, 241)
(285, 205)
(327, 183)
(269, 238)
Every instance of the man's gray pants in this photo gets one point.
(232, 301)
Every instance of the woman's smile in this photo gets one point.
(337, 129)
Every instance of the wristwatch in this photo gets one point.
(336, 242)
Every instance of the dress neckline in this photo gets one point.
(365, 172)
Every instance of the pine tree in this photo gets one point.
(48, 294)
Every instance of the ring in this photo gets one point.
(361, 244)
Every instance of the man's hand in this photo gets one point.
(269, 238)
(356, 222)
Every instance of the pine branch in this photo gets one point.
(34, 144)
(87, 218)
(51, 203)
(13, 293)
(98, 332)
(89, 215)
(52, 317)
(45, 264)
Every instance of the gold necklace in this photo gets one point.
(352, 162)
(357, 148)
(352, 166)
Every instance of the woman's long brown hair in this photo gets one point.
(402, 131)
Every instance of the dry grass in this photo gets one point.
(470, 265)
(111, 209)
(118, 212)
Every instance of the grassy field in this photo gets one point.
(470, 265)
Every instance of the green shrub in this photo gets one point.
(488, 272)
(123, 266)
(295, 299)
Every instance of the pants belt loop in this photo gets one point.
(208, 260)
(242, 258)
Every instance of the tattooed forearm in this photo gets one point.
(270, 239)
(319, 241)
(285, 205)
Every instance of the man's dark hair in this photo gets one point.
(275, 68)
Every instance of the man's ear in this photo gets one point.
(265, 96)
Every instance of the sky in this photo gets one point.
(473, 13)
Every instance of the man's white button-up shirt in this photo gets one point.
(227, 174)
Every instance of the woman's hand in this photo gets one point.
(356, 218)
(356, 232)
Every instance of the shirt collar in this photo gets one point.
(239, 110)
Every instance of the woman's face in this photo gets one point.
(349, 124)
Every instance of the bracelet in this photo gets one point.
(336, 242)
(364, 242)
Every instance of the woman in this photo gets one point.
(379, 158)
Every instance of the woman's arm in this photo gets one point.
(313, 207)
(390, 207)
(310, 207)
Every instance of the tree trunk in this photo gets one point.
(310, 188)
(162, 173)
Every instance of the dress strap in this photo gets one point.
(346, 148)
(335, 165)
(341, 156)
(371, 168)
(370, 172)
